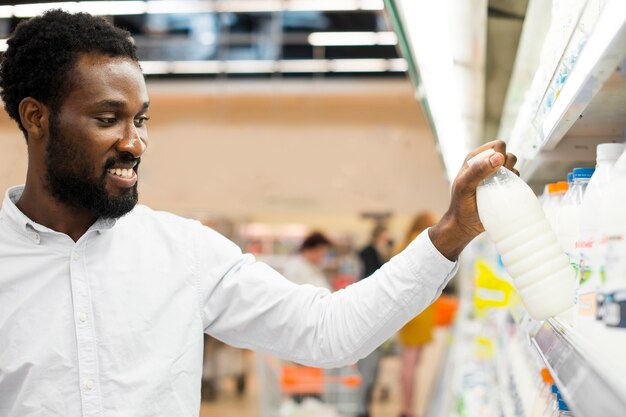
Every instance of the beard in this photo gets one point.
(70, 178)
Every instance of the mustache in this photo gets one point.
(124, 158)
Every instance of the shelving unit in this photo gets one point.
(589, 384)
(559, 125)
(567, 95)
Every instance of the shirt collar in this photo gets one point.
(23, 224)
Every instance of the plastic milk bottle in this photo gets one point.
(531, 253)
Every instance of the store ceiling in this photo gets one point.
(243, 38)
(267, 128)
(505, 19)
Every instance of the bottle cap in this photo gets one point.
(552, 188)
(570, 177)
(546, 377)
(563, 406)
(562, 186)
(609, 151)
(554, 389)
(581, 173)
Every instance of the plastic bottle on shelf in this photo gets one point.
(568, 221)
(557, 210)
(551, 204)
(542, 398)
(560, 408)
(547, 200)
(592, 210)
(615, 255)
(530, 251)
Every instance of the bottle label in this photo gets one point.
(584, 267)
(614, 310)
(615, 267)
(587, 304)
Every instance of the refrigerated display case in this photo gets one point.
(567, 94)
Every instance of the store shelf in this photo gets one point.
(590, 386)
(559, 125)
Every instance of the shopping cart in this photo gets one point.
(287, 389)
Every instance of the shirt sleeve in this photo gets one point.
(247, 304)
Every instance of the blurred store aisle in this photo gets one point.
(229, 404)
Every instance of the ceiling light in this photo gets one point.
(429, 37)
(182, 6)
(249, 66)
(124, 7)
(359, 65)
(352, 38)
(112, 8)
(34, 9)
(6, 11)
(155, 67)
(267, 66)
(303, 65)
(333, 5)
(195, 67)
(100, 8)
(250, 6)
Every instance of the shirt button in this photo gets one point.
(82, 317)
(89, 384)
(75, 256)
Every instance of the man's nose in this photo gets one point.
(132, 141)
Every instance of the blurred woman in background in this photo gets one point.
(419, 331)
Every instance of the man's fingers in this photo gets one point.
(510, 161)
(484, 161)
(480, 167)
(497, 145)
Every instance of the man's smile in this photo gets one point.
(123, 174)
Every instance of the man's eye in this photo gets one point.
(106, 120)
(140, 121)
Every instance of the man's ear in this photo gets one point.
(35, 117)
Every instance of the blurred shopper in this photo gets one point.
(373, 256)
(305, 266)
(417, 332)
(104, 302)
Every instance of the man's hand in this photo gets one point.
(460, 224)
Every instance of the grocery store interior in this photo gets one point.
(282, 122)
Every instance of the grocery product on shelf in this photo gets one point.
(568, 216)
(592, 210)
(615, 254)
(531, 254)
(555, 193)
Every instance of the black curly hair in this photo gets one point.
(43, 50)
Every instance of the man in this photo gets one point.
(103, 303)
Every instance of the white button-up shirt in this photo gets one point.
(112, 325)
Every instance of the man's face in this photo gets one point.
(98, 136)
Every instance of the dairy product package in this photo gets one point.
(614, 288)
(568, 214)
(515, 222)
(592, 211)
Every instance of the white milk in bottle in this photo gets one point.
(515, 222)
(592, 211)
(615, 255)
